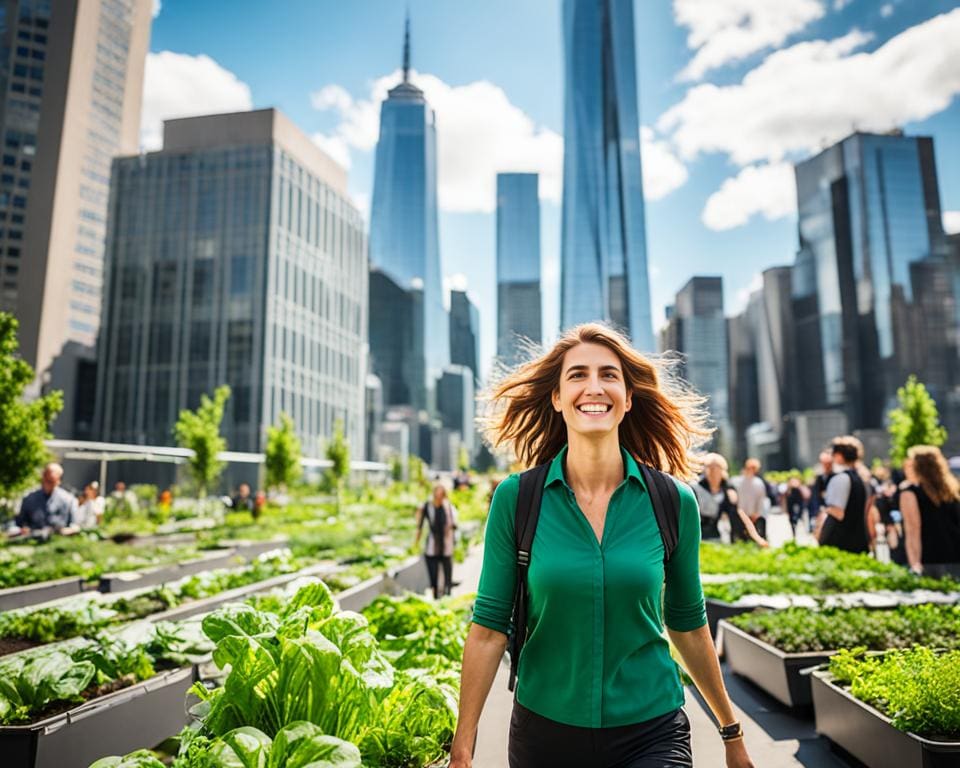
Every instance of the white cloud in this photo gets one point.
(362, 201)
(951, 222)
(662, 170)
(814, 93)
(839, 5)
(479, 132)
(157, 6)
(758, 189)
(180, 85)
(334, 146)
(886, 10)
(724, 31)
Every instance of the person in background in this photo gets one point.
(888, 508)
(846, 503)
(795, 501)
(90, 512)
(124, 501)
(47, 508)
(243, 501)
(259, 502)
(717, 498)
(931, 514)
(441, 519)
(753, 495)
(819, 486)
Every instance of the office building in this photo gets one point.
(743, 397)
(603, 258)
(465, 333)
(698, 331)
(519, 306)
(456, 405)
(404, 245)
(234, 257)
(72, 79)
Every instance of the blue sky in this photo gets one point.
(731, 91)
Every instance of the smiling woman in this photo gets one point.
(596, 683)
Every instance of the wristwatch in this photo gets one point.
(731, 732)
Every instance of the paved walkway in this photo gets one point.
(775, 737)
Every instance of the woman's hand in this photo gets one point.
(737, 756)
(460, 761)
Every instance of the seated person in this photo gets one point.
(243, 501)
(48, 507)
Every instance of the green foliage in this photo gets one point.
(199, 431)
(915, 422)
(23, 426)
(832, 581)
(803, 630)
(338, 452)
(744, 557)
(917, 688)
(142, 758)
(283, 453)
(27, 685)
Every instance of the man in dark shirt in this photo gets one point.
(843, 522)
(243, 501)
(47, 507)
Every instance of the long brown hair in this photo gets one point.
(665, 426)
(934, 475)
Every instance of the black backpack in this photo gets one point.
(664, 497)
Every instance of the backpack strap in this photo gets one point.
(526, 515)
(665, 499)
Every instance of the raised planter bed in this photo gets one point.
(411, 576)
(122, 582)
(143, 714)
(251, 549)
(33, 594)
(867, 734)
(718, 610)
(359, 596)
(768, 667)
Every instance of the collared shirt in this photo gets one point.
(596, 655)
(38, 510)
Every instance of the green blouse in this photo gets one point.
(596, 655)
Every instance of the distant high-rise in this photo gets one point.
(404, 244)
(71, 78)
(464, 333)
(870, 241)
(603, 244)
(234, 257)
(518, 264)
(697, 329)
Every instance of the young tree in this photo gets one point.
(23, 425)
(915, 422)
(200, 432)
(283, 453)
(338, 452)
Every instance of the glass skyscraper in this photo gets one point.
(235, 261)
(464, 333)
(404, 241)
(870, 238)
(518, 264)
(603, 242)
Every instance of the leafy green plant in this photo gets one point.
(200, 432)
(282, 455)
(915, 421)
(917, 688)
(802, 630)
(744, 557)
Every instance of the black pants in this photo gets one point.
(537, 742)
(433, 567)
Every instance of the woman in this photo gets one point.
(597, 686)
(441, 518)
(90, 511)
(717, 498)
(931, 514)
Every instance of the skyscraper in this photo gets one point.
(464, 333)
(871, 237)
(603, 243)
(71, 79)
(404, 242)
(234, 257)
(518, 264)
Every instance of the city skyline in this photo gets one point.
(335, 98)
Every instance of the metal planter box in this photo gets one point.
(411, 577)
(139, 716)
(867, 734)
(773, 670)
(718, 609)
(121, 582)
(33, 594)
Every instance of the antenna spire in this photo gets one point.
(406, 50)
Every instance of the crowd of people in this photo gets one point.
(911, 513)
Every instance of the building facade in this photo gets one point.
(71, 79)
(404, 240)
(603, 241)
(456, 405)
(697, 330)
(234, 257)
(465, 333)
(519, 300)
